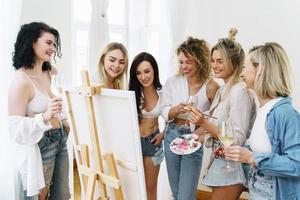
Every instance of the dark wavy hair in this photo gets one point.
(24, 55)
(135, 85)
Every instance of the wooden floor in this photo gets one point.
(201, 195)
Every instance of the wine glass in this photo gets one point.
(191, 101)
(226, 136)
(56, 89)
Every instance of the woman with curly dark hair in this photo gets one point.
(144, 80)
(193, 79)
(33, 109)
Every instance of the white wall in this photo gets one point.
(9, 20)
(257, 21)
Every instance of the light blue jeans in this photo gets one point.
(183, 170)
(260, 186)
(54, 152)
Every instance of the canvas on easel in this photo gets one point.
(106, 141)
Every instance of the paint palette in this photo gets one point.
(185, 144)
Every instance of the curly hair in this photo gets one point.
(134, 83)
(198, 50)
(24, 55)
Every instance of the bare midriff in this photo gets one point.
(180, 122)
(148, 126)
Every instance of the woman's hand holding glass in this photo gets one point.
(56, 88)
(239, 154)
(196, 116)
(226, 136)
(191, 102)
(54, 107)
(180, 108)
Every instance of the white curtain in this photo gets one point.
(176, 21)
(9, 23)
(98, 37)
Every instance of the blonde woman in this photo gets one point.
(193, 78)
(275, 138)
(232, 102)
(113, 65)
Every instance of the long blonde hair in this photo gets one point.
(274, 78)
(232, 54)
(120, 82)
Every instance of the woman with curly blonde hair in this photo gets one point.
(192, 79)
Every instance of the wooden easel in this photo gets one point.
(89, 174)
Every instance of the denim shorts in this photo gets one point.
(216, 176)
(150, 150)
(260, 186)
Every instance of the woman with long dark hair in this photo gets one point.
(144, 80)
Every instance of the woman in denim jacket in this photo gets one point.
(274, 152)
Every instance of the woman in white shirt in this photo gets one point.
(144, 80)
(192, 79)
(232, 102)
(40, 142)
(112, 67)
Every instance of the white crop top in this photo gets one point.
(155, 112)
(39, 102)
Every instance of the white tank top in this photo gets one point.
(259, 139)
(39, 102)
(155, 112)
(203, 102)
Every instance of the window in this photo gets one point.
(80, 34)
(153, 27)
(117, 21)
(117, 15)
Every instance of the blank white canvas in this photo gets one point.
(118, 131)
(117, 122)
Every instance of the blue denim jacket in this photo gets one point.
(283, 128)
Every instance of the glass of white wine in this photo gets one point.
(191, 101)
(226, 136)
(56, 89)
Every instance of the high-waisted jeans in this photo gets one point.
(183, 170)
(54, 153)
(260, 186)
